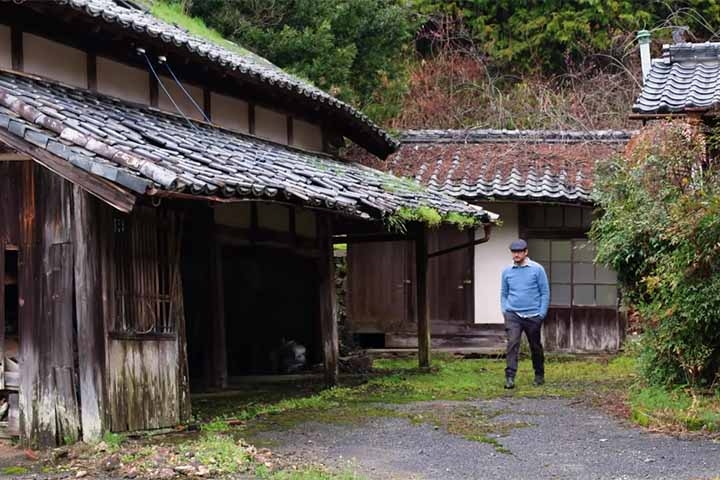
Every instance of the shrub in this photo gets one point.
(660, 230)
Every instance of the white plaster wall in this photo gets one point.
(229, 112)
(233, 215)
(122, 81)
(182, 101)
(54, 60)
(490, 260)
(307, 136)
(5, 50)
(271, 125)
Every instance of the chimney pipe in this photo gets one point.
(643, 38)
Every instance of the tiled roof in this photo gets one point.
(481, 164)
(245, 64)
(149, 151)
(686, 77)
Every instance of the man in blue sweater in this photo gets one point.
(524, 298)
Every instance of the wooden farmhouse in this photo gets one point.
(167, 213)
(540, 182)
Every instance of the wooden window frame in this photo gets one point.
(145, 274)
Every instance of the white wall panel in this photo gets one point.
(182, 101)
(307, 136)
(54, 60)
(122, 81)
(271, 125)
(5, 49)
(229, 112)
(490, 260)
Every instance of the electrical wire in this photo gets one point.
(202, 112)
(157, 77)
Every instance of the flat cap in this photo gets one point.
(518, 245)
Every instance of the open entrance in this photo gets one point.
(271, 311)
(9, 342)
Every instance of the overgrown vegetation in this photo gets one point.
(462, 63)
(660, 230)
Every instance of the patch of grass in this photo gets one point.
(15, 470)
(113, 440)
(676, 410)
(173, 13)
(307, 473)
(221, 453)
(216, 425)
(469, 422)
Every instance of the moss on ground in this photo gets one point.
(278, 407)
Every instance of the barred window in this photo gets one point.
(146, 274)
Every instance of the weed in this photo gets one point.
(15, 470)
(216, 425)
(221, 453)
(678, 410)
(113, 440)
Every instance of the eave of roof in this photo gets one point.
(360, 129)
(510, 165)
(151, 152)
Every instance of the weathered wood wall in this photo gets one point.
(89, 315)
(583, 329)
(146, 376)
(10, 177)
(49, 411)
(142, 384)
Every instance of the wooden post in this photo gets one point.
(90, 325)
(2, 313)
(218, 340)
(423, 317)
(328, 317)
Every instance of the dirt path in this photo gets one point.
(522, 439)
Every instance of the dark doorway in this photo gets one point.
(271, 298)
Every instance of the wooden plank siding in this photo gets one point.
(10, 177)
(143, 373)
(88, 305)
(382, 288)
(583, 329)
(49, 410)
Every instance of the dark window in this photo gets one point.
(145, 276)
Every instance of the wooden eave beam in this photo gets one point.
(113, 195)
(14, 157)
(445, 251)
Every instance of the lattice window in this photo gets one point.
(145, 254)
(574, 277)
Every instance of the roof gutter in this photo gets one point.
(487, 229)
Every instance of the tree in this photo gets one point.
(354, 49)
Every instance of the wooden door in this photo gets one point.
(379, 287)
(450, 278)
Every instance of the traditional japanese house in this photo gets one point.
(540, 183)
(167, 212)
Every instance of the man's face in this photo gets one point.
(519, 256)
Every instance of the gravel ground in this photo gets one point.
(564, 439)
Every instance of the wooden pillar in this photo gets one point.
(2, 312)
(328, 309)
(217, 337)
(90, 325)
(423, 313)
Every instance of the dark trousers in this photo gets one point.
(515, 325)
